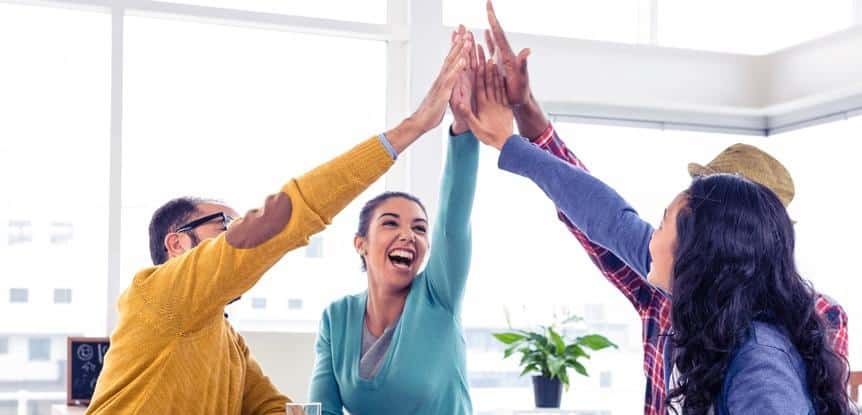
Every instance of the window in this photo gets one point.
(758, 27)
(610, 20)
(20, 231)
(315, 247)
(61, 232)
(18, 295)
(62, 296)
(368, 11)
(8, 408)
(56, 117)
(248, 111)
(551, 272)
(258, 303)
(294, 304)
(4, 345)
(39, 349)
(606, 379)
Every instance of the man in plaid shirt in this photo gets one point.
(652, 304)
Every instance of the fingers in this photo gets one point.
(480, 60)
(481, 78)
(497, 30)
(469, 117)
(456, 60)
(498, 87)
(471, 53)
(489, 40)
(522, 60)
(454, 51)
(490, 70)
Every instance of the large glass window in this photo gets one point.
(54, 146)
(610, 20)
(750, 27)
(368, 11)
(233, 113)
(39, 349)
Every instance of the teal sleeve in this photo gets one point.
(449, 261)
(324, 387)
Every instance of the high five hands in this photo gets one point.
(498, 85)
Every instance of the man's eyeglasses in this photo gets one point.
(225, 220)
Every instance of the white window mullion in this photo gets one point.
(397, 85)
(116, 176)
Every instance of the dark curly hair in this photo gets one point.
(733, 264)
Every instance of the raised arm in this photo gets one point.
(196, 286)
(451, 249)
(533, 124)
(449, 260)
(587, 202)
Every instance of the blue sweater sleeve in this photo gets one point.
(449, 260)
(763, 381)
(588, 203)
(324, 387)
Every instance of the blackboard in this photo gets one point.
(85, 357)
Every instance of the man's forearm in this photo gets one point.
(530, 118)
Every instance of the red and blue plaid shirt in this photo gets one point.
(653, 305)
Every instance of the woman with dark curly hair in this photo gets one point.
(746, 335)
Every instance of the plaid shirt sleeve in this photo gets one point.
(652, 305)
(835, 316)
(635, 287)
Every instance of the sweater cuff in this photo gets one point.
(388, 145)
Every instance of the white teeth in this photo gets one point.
(402, 253)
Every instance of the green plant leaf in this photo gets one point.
(572, 319)
(580, 369)
(558, 341)
(508, 338)
(596, 342)
(509, 351)
(556, 365)
(530, 368)
(575, 351)
(564, 378)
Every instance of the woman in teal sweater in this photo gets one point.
(398, 347)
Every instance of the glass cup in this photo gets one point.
(303, 408)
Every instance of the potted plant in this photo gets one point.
(549, 355)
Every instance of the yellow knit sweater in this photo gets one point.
(173, 352)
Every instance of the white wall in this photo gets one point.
(829, 66)
(574, 70)
(287, 358)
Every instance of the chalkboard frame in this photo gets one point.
(70, 400)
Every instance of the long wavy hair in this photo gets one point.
(733, 264)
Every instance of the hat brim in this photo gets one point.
(695, 170)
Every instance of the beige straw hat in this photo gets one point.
(752, 163)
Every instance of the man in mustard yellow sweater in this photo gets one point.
(173, 352)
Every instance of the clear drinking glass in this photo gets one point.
(303, 408)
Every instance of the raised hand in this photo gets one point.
(514, 67)
(464, 86)
(492, 122)
(433, 106)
